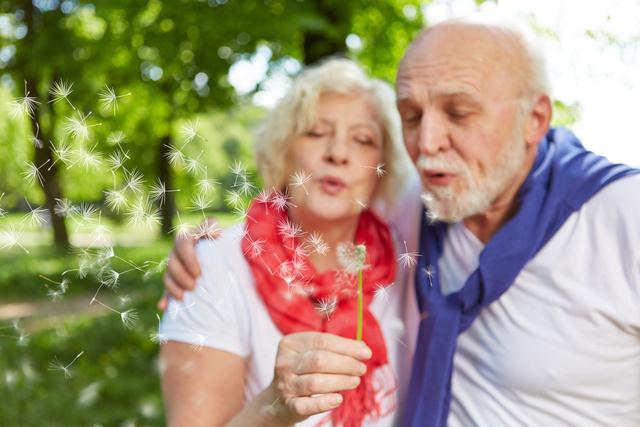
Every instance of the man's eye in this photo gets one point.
(412, 118)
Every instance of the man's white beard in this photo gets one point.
(473, 197)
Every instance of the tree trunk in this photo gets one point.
(332, 40)
(50, 182)
(164, 174)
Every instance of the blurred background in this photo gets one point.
(122, 124)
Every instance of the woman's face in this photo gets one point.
(334, 164)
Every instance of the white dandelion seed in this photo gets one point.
(181, 230)
(199, 203)
(108, 99)
(289, 230)
(174, 155)
(116, 200)
(23, 106)
(55, 295)
(190, 131)
(408, 259)
(207, 230)
(134, 180)
(196, 341)
(143, 213)
(326, 307)
(238, 169)
(263, 197)
(33, 173)
(116, 137)
(37, 143)
(56, 365)
(89, 158)
(192, 166)
(255, 247)
(156, 336)
(430, 271)
(175, 306)
(78, 127)
(206, 185)
(10, 237)
(247, 187)
(234, 199)
(61, 91)
(280, 201)
(129, 318)
(62, 153)
(318, 244)
(159, 191)
(2, 211)
(100, 231)
(379, 168)
(432, 216)
(64, 208)
(35, 216)
(299, 179)
(116, 160)
(363, 204)
(381, 292)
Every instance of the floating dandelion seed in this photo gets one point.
(35, 216)
(299, 179)
(78, 127)
(108, 99)
(192, 165)
(128, 317)
(156, 336)
(116, 137)
(326, 307)
(196, 341)
(432, 217)
(255, 247)
(89, 158)
(207, 230)
(206, 185)
(190, 131)
(182, 229)
(234, 199)
(175, 306)
(239, 170)
(34, 139)
(23, 106)
(158, 192)
(263, 197)
(430, 271)
(11, 237)
(63, 153)
(318, 244)
(408, 259)
(200, 202)
(56, 365)
(174, 155)
(117, 159)
(116, 200)
(33, 172)
(134, 180)
(61, 91)
(247, 187)
(100, 230)
(2, 211)
(379, 168)
(381, 292)
(289, 230)
(143, 213)
(279, 201)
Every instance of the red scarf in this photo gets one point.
(299, 299)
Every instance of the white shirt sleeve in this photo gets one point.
(216, 313)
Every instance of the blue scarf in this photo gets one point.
(564, 176)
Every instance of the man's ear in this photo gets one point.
(538, 120)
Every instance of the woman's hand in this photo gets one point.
(311, 368)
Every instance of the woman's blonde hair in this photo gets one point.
(296, 113)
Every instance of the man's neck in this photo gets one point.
(486, 224)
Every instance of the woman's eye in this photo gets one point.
(315, 134)
(364, 141)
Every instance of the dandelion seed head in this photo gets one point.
(351, 257)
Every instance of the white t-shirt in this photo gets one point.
(225, 312)
(561, 347)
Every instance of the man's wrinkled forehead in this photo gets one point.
(462, 54)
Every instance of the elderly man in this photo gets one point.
(529, 272)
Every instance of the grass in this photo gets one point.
(115, 380)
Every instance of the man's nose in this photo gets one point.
(434, 136)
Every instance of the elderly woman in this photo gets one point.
(268, 335)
